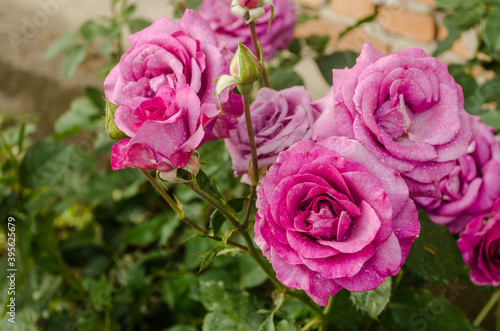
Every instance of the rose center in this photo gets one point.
(324, 219)
(394, 117)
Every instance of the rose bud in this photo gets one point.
(111, 128)
(245, 66)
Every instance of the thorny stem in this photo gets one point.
(181, 214)
(255, 163)
(249, 206)
(256, 48)
(486, 309)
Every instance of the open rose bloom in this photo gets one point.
(175, 54)
(332, 216)
(406, 109)
(164, 130)
(280, 119)
(473, 186)
(232, 30)
(479, 244)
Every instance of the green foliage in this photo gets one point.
(230, 308)
(337, 60)
(419, 310)
(435, 255)
(373, 302)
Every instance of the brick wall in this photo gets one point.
(399, 24)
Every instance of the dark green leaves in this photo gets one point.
(337, 60)
(373, 302)
(284, 77)
(420, 310)
(230, 308)
(72, 59)
(46, 162)
(435, 255)
(491, 29)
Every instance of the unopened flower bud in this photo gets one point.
(185, 174)
(113, 131)
(245, 66)
(250, 4)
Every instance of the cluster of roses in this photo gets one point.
(336, 208)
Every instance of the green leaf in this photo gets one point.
(373, 302)
(251, 274)
(282, 78)
(91, 29)
(457, 4)
(268, 324)
(446, 44)
(211, 254)
(338, 60)
(99, 291)
(287, 325)
(317, 43)
(491, 28)
(149, 231)
(464, 19)
(412, 309)
(82, 114)
(217, 321)
(362, 21)
(209, 187)
(45, 163)
(74, 56)
(491, 118)
(295, 47)
(59, 45)
(344, 314)
(138, 24)
(217, 219)
(434, 255)
(230, 303)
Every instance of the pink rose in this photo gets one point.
(332, 216)
(164, 130)
(279, 120)
(471, 188)
(479, 244)
(233, 30)
(167, 53)
(406, 109)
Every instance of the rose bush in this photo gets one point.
(175, 54)
(479, 244)
(332, 216)
(280, 118)
(232, 30)
(406, 109)
(471, 188)
(164, 130)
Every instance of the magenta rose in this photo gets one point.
(479, 244)
(406, 109)
(279, 120)
(471, 188)
(233, 30)
(332, 216)
(167, 53)
(164, 130)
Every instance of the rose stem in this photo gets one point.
(256, 47)
(486, 309)
(234, 221)
(181, 214)
(255, 162)
(326, 312)
(498, 316)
